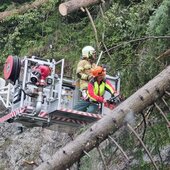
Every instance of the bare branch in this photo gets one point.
(147, 114)
(102, 157)
(120, 148)
(87, 154)
(166, 92)
(94, 28)
(166, 104)
(148, 153)
(138, 39)
(162, 113)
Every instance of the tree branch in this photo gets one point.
(102, 157)
(94, 28)
(163, 114)
(136, 40)
(120, 148)
(148, 153)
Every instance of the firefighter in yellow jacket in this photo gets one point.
(83, 72)
(85, 65)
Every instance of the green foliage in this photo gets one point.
(21, 33)
(159, 21)
(9, 4)
(158, 25)
(122, 23)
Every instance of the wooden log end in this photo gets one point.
(63, 9)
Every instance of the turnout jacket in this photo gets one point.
(84, 72)
(96, 91)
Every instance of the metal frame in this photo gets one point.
(5, 92)
(49, 92)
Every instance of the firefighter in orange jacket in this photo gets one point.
(98, 85)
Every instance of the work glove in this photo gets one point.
(114, 100)
(109, 105)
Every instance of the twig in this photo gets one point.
(147, 114)
(82, 9)
(120, 148)
(166, 92)
(166, 104)
(99, 58)
(107, 50)
(148, 153)
(87, 154)
(138, 39)
(157, 144)
(144, 120)
(101, 11)
(94, 28)
(111, 155)
(102, 156)
(162, 113)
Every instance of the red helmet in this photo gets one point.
(98, 71)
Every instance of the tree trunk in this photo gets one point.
(73, 151)
(72, 5)
(22, 9)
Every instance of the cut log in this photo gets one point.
(144, 97)
(72, 5)
(22, 9)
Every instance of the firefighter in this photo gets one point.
(83, 72)
(98, 85)
(96, 89)
(84, 66)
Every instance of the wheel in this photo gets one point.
(12, 68)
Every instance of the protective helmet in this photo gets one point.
(98, 71)
(88, 51)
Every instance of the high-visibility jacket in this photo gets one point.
(84, 72)
(96, 91)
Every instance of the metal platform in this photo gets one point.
(41, 95)
(64, 119)
(76, 115)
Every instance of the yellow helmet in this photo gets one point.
(88, 52)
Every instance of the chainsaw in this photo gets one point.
(113, 102)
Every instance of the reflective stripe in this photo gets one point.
(84, 76)
(109, 87)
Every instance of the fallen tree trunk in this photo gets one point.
(22, 9)
(98, 132)
(72, 5)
